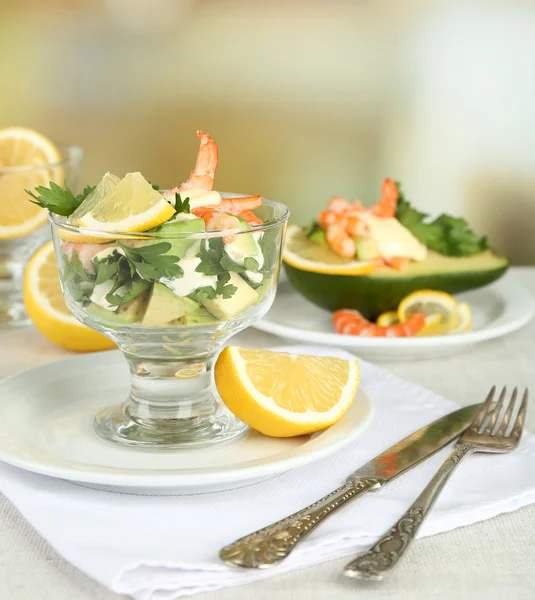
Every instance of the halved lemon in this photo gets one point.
(428, 302)
(464, 314)
(283, 395)
(133, 205)
(303, 254)
(388, 318)
(45, 306)
(21, 147)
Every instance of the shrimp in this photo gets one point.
(399, 263)
(328, 217)
(223, 221)
(237, 205)
(338, 205)
(339, 241)
(204, 212)
(202, 176)
(386, 207)
(250, 217)
(84, 252)
(354, 225)
(351, 322)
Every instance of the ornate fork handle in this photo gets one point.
(268, 546)
(383, 557)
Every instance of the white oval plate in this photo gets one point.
(498, 309)
(46, 426)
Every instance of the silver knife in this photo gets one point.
(272, 544)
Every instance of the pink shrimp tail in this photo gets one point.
(238, 205)
(202, 176)
(250, 217)
(387, 205)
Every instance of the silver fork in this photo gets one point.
(489, 432)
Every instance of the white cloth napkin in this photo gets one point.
(166, 547)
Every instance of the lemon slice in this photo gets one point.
(464, 314)
(21, 147)
(388, 318)
(300, 252)
(284, 395)
(434, 325)
(428, 302)
(134, 205)
(46, 308)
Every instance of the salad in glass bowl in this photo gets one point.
(169, 276)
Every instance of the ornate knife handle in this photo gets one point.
(380, 559)
(271, 545)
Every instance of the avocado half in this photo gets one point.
(384, 289)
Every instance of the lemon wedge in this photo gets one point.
(434, 325)
(105, 187)
(283, 395)
(464, 315)
(388, 318)
(22, 147)
(428, 302)
(302, 253)
(46, 307)
(133, 205)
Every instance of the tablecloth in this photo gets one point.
(487, 561)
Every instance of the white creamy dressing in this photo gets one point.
(237, 254)
(99, 294)
(191, 280)
(392, 238)
(197, 198)
(108, 252)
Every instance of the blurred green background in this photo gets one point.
(305, 98)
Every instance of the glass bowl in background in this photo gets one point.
(170, 344)
(16, 249)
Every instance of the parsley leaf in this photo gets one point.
(152, 261)
(447, 235)
(229, 265)
(78, 282)
(271, 246)
(251, 264)
(223, 288)
(181, 206)
(211, 253)
(200, 295)
(58, 200)
(128, 291)
(106, 269)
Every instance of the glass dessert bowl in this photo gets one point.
(169, 298)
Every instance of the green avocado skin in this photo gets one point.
(372, 294)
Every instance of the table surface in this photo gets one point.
(491, 560)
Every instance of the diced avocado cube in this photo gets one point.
(366, 249)
(244, 246)
(264, 288)
(199, 317)
(126, 313)
(165, 306)
(226, 308)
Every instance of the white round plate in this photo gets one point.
(46, 426)
(498, 309)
